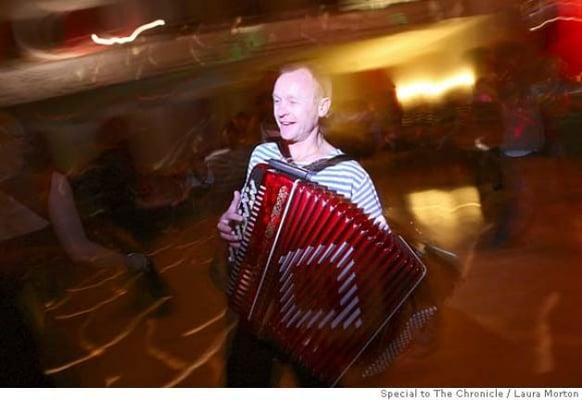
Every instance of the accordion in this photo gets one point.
(313, 273)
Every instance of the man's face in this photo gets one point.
(297, 106)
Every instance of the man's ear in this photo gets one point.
(324, 105)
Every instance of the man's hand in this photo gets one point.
(228, 220)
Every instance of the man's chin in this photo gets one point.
(287, 136)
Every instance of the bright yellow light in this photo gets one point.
(436, 48)
(130, 38)
(446, 213)
(370, 4)
(431, 90)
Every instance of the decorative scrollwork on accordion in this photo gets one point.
(314, 274)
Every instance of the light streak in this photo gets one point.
(62, 6)
(161, 249)
(187, 244)
(195, 55)
(434, 89)
(94, 285)
(130, 38)
(47, 55)
(54, 304)
(178, 263)
(90, 280)
(119, 293)
(100, 350)
(168, 267)
(154, 97)
(372, 4)
(203, 359)
(549, 21)
(544, 350)
(91, 309)
(110, 381)
(164, 357)
(194, 243)
(441, 251)
(78, 361)
(83, 341)
(206, 324)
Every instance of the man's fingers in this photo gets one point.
(229, 237)
(226, 231)
(224, 226)
(236, 217)
(234, 203)
(225, 223)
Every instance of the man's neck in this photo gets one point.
(311, 149)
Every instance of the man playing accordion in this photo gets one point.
(301, 97)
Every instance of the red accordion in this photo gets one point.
(314, 274)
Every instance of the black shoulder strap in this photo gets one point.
(320, 165)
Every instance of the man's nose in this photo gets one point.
(280, 110)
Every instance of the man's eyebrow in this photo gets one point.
(289, 97)
(295, 97)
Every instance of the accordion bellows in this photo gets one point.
(313, 274)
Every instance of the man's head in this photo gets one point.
(301, 97)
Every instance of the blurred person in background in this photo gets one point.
(33, 263)
(19, 348)
(523, 136)
(47, 191)
(226, 166)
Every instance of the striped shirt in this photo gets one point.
(347, 178)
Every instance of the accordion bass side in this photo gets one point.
(314, 274)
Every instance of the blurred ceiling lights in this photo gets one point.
(448, 40)
(349, 5)
(427, 89)
(22, 9)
